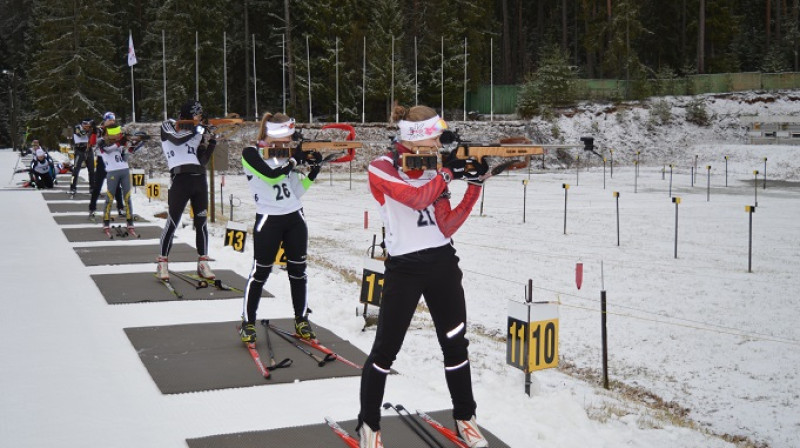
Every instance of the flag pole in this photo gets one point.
(133, 97)
(164, 70)
(225, 69)
(131, 62)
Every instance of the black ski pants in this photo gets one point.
(434, 274)
(99, 178)
(42, 181)
(268, 233)
(185, 188)
(83, 154)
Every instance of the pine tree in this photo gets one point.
(186, 27)
(387, 25)
(15, 27)
(77, 69)
(325, 22)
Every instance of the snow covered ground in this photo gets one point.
(697, 330)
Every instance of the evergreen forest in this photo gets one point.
(64, 60)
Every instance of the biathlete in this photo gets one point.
(84, 152)
(188, 147)
(277, 190)
(114, 148)
(415, 208)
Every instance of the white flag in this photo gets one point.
(131, 53)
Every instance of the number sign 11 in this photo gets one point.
(372, 282)
(532, 336)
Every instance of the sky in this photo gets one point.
(697, 330)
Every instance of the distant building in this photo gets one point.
(784, 130)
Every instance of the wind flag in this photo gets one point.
(131, 53)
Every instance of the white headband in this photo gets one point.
(412, 131)
(278, 130)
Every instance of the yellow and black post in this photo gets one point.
(750, 209)
(676, 200)
(616, 195)
(566, 189)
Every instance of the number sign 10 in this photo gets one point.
(532, 336)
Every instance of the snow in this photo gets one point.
(697, 330)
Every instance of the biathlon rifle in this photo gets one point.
(332, 151)
(222, 128)
(517, 149)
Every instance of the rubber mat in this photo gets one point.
(394, 432)
(144, 287)
(84, 219)
(211, 356)
(95, 233)
(71, 207)
(64, 196)
(126, 254)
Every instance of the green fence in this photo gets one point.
(505, 96)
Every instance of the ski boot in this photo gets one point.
(132, 231)
(369, 438)
(248, 333)
(107, 231)
(162, 270)
(303, 328)
(470, 433)
(203, 269)
(92, 216)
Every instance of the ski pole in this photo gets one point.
(169, 286)
(330, 354)
(320, 361)
(272, 364)
(198, 284)
(422, 427)
(447, 432)
(420, 432)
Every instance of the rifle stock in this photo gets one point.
(328, 148)
(515, 148)
(222, 127)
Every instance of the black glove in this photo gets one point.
(481, 168)
(298, 155)
(316, 165)
(456, 165)
(315, 158)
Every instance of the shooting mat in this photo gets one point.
(84, 219)
(394, 432)
(64, 196)
(211, 356)
(95, 233)
(144, 287)
(70, 207)
(126, 254)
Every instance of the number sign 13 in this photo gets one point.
(235, 235)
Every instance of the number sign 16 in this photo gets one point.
(153, 190)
